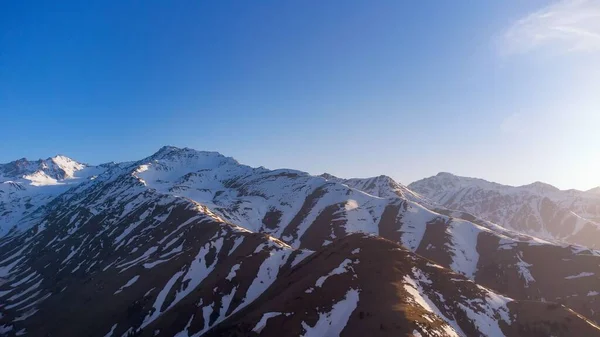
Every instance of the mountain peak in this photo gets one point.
(445, 178)
(173, 151)
(187, 159)
(385, 179)
(328, 176)
(449, 178)
(61, 157)
(58, 167)
(68, 165)
(167, 149)
(595, 190)
(542, 187)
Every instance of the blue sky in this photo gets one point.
(503, 90)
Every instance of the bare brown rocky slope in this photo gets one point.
(398, 294)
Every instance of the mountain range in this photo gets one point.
(537, 209)
(193, 243)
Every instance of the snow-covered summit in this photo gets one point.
(382, 186)
(43, 171)
(177, 153)
(446, 180)
(26, 185)
(540, 188)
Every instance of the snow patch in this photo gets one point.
(128, 284)
(334, 322)
(263, 321)
(580, 275)
(451, 329)
(342, 268)
(232, 272)
(523, 269)
(464, 246)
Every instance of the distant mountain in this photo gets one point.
(193, 243)
(537, 209)
(595, 190)
(42, 171)
(381, 186)
(27, 185)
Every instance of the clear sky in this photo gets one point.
(505, 90)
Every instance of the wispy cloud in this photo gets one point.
(566, 26)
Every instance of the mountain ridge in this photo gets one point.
(186, 242)
(595, 190)
(538, 209)
(58, 167)
(535, 184)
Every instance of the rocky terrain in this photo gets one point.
(191, 243)
(538, 209)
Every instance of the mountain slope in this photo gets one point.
(410, 296)
(122, 256)
(538, 209)
(182, 241)
(25, 186)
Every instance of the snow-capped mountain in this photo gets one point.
(27, 185)
(538, 209)
(192, 243)
(381, 186)
(43, 171)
